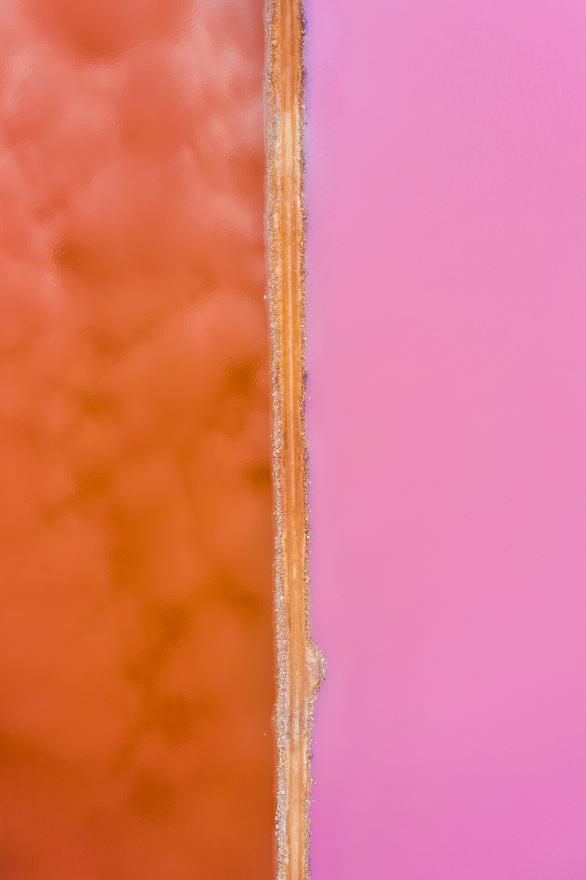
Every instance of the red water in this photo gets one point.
(136, 676)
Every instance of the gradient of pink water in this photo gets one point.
(447, 373)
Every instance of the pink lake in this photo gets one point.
(446, 192)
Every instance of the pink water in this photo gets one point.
(447, 419)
